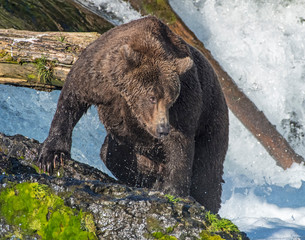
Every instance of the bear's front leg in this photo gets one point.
(177, 174)
(58, 144)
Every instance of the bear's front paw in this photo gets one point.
(48, 161)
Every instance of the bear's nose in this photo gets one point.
(162, 129)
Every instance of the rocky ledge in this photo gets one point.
(81, 202)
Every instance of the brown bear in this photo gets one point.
(162, 107)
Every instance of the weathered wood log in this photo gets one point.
(26, 46)
(39, 59)
(44, 58)
(242, 107)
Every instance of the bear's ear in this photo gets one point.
(184, 64)
(131, 56)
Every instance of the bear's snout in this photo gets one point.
(162, 128)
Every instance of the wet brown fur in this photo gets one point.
(140, 75)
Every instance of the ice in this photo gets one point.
(261, 45)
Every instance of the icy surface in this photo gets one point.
(261, 44)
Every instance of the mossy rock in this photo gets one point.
(51, 15)
(33, 210)
(84, 203)
(158, 8)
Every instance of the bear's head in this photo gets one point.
(150, 83)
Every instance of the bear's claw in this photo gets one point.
(49, 164)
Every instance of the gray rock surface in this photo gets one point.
(119, 211)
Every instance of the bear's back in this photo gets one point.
(136, 33)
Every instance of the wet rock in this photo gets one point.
(18, 155)
(105, 208)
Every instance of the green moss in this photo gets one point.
(172, 198)
(205, 235)
(215, 224)
(157, 232)
(31, 77)
(36, 168)
(69, 48)
(169, 229)
(161, 235)
(57, 83)
(10, 59)
(7, 57)
(45, 70)
(3, 53)
(45, 73)
(160, 9)
(33, 210)
(88, 223)
(61, 39)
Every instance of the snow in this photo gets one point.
(261, 45)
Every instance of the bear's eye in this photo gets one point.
(153, 99)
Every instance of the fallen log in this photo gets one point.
(241, 106)
(39, 59)
(42, 60)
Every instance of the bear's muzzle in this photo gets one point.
(163, 128)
